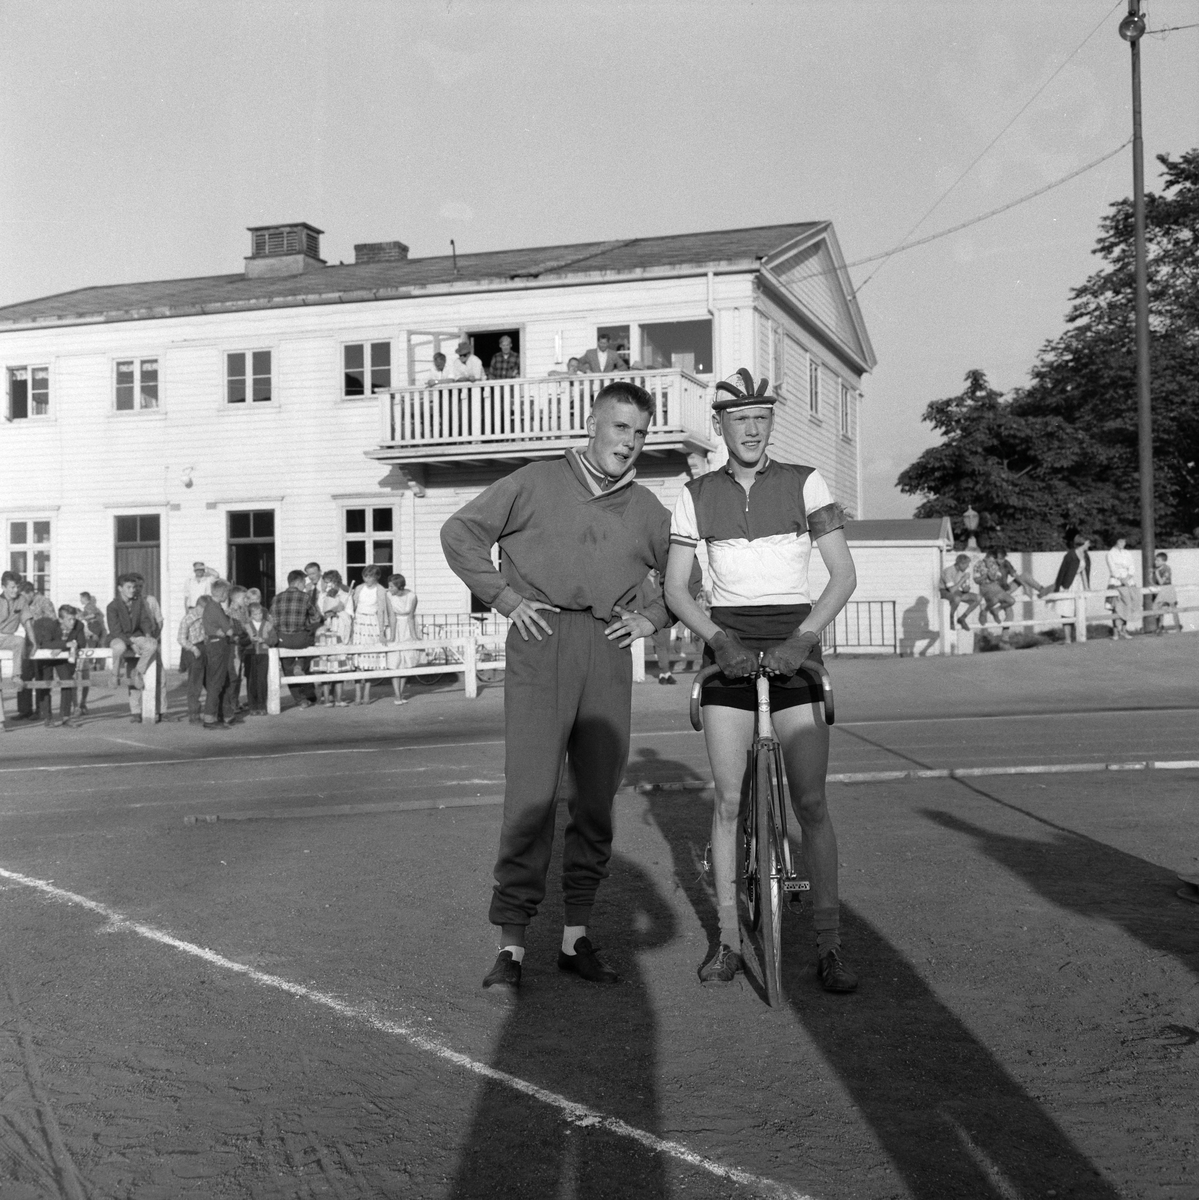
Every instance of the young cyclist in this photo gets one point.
(759, 519)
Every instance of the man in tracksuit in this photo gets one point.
(578, 540)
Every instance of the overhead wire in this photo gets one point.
(975, 161)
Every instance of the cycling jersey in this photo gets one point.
(759, 543)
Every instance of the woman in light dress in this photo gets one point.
(335, 603)
(374, 622)
(403, 607)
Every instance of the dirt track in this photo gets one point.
(1027, 1025)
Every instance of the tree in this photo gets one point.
(1062, 452)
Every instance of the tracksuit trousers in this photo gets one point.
(566, 699)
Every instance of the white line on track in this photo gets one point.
(580, 1115)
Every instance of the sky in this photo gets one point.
(138, 140)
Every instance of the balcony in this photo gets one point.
(521, 419)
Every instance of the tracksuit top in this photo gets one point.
(562, 542)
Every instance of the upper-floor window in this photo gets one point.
(248, 376)
(29, 552)
(367, 368)
(813, 387)
(28, 392)
(137, 384)
(845, 401)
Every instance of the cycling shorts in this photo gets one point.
(758, 628)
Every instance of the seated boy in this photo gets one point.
(54, 646)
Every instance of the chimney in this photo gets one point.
(377, 252)
(283, 250)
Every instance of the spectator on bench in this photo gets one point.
(131, 627)
(955, 587)
(63, 634)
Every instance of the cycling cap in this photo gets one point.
(747, 394)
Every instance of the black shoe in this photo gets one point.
(667, 678)
(834, 975)
(584, 963)
(211, 725)
(722, 966)
(505, 973)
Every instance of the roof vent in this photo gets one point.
(377, 252)
(283, 250)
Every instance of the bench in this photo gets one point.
(86, 662)
(276, 681)
(1078, 620)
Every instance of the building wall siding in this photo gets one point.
(303, 455)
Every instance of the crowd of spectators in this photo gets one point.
(997, 579)
(466, 367)
(225, 636)
(227, 632)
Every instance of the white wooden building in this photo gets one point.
(264, 419)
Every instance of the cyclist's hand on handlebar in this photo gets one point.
(526, 618)
(733, 659)
(628, 625)
(787, 657)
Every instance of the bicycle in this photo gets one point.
(767, 858)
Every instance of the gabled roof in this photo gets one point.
(725, 249)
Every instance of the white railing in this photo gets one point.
(549, 409)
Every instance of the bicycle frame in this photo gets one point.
(768, 860)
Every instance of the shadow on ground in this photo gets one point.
(1085, 876)
(595, 1044)
(952, 1120)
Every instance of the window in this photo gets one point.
(845, 398)
(28, 392)
(138, 548)
(681, 345)
(137, 384)
(369, 538)
(367, 368)
(813, 387)
(29, 552)
(248, 376)
(251, 550)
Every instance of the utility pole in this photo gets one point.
(1132, 29)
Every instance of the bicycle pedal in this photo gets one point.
(796, 885)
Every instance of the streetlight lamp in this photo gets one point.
(1132, 29)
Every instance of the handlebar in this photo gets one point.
(815, 671)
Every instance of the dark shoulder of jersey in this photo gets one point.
(774, 505)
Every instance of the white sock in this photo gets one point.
(517, 952)
(570, 935)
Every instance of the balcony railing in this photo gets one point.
(551, 411)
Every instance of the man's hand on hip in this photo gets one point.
(628, 625)
(526, 618)
(787, 657)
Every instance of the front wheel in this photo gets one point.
(769, 872)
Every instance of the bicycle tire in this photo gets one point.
(433, 680)
(749, 851)
(488, 675)
(769, 877)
